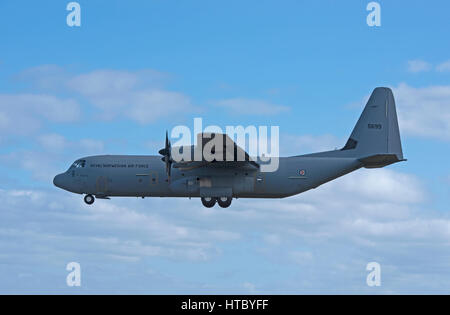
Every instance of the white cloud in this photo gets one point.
(418, 65)
(319, 240)
(4, 121)
(57, 143)
(273, 239)
(114, 230)
(301, 257)
(24, 113)
(250, 287)
(244, 106)
(150, 105)
(424, 111)
(103, 82)
(90, 146)
(136, 95)
(53, 142)
(386, 183)
(47, 77)
(55, 154)
(411, 229)
(443, 67)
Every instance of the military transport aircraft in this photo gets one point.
(374, 143)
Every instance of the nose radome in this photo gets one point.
(58, 180)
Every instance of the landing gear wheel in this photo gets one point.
(89, 199)
(208, 202)
(224, 202)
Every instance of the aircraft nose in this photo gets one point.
(58, 180)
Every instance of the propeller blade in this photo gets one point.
(163, 152)
(167, 158)
(167, 139)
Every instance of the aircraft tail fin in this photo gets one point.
(375, 140)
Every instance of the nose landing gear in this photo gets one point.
(89, 199)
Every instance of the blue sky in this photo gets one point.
(137, 68)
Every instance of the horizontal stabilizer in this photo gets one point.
(380, 160)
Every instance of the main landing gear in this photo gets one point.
(89, 199)
(223, 202)
(208, 202)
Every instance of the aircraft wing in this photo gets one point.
(224, 153)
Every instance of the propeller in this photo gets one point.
(167, 156)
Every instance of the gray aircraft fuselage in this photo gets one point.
(145, 176)
(374, 143)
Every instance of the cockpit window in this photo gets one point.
(78, 164)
